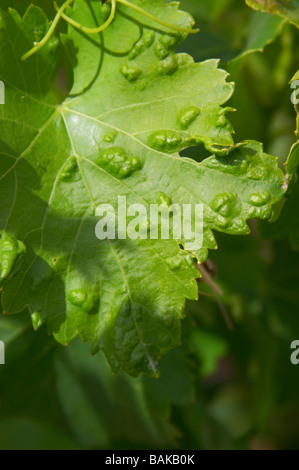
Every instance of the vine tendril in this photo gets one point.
(90, 30)
(60, 14)
(157, 20)
(40, 44)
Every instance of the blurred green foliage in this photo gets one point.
(222, 389)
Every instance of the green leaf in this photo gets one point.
(263, 29)
(119, 400)
(82, 417)
(288, 9)
(24, 434)
(134, 105)
(209, 349)
(125, 410)
(11, 251)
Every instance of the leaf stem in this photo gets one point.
(216, 293)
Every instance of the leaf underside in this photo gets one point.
(134, 106)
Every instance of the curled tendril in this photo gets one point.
(60, 14)
(90, 30)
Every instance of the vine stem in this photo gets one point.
(60, 14)
(216, 293)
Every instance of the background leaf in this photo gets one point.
(286, 9)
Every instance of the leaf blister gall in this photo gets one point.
(175, 262)
(226, 204)
(117, 162)
(169, 65)
(70, 172)
(86, 300)
(11, 252)
(168, 141)
(187, 116)
(37, 320)
(130, 72)
(260, 199)
(160, 50)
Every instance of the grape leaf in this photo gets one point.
(134, 105)
(263, 29)
(288, 9)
